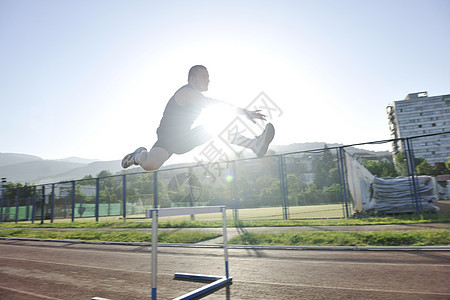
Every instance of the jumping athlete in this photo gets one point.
(175, 134)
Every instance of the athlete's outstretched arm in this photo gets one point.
(250, 114)
(254, 114)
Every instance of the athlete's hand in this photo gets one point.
(254, 114)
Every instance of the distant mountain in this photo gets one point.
(299, 147)
(33, 169)
(30, 172)
(78, 160)
(15, 158)
(83, 170)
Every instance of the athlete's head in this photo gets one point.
(198, 78)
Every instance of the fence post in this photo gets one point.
(411, 170)
(73, 200)
(1, 204)
(342, 175)
(155, 189)
(7, 209)
(52, 203)
(283, 187)
(33, 208)
(65, 207)
(16, 215)
(43, 205)
(97, 197)
(27, 211)
(124, 196)
(191, 193)
(234, 191)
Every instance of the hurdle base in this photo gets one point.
(217, 282)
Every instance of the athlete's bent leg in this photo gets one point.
(186, 141)
(258, 145)
(130, 158)
(154, 159)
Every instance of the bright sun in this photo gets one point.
(216, 118)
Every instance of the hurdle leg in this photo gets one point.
(154, 251)
(225, 240)
(217, 281)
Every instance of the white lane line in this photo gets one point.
(72, 265)
(304, 260)
(28, 293)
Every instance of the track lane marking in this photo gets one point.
(28, 293)
(73, 265)
(242, 257)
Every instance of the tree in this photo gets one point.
(87, 180)
(110, 189)
(325, 169)
(25, 191)
(309, 194)
(425, 168)
(441, 168)
(422, 166)
(270, 191)
(400, 162)
(381, 168)
(293, 188)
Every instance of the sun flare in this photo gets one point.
(216, 118)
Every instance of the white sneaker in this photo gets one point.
(130, 159)
(262, 142)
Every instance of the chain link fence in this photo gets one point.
(316, 183)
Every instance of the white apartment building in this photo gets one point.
(419, 115)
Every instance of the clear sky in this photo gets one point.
(91, 78)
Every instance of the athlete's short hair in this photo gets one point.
(193, 70)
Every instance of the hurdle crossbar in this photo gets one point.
(218, 281)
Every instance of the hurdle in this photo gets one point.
(216, 281)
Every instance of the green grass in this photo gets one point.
(383, 238)
(111, 236)
(245, 223)
(347, 222)
(257, 217)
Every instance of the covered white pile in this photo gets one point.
(388, 195)
(396, 195)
